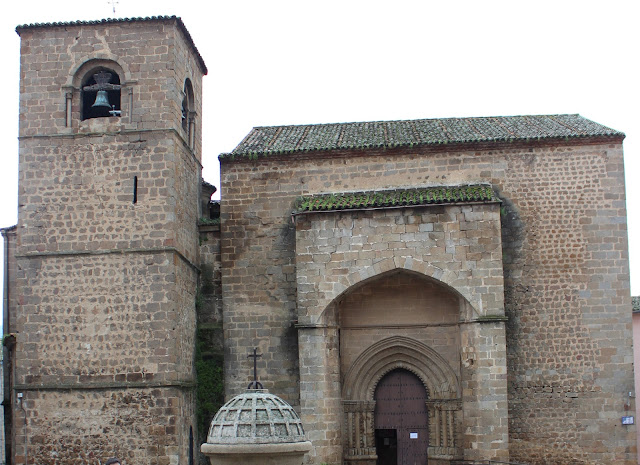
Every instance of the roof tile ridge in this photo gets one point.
(562, 123)
(386, 133)
(307, 128)
(246, 138)
(398, 197)
(444, 129)
(469, 122)
(532, 119)
(273, 139)
(403, 188)
(341, 135)
(414, 130)
(499, 120)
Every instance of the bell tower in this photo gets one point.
(107, 245)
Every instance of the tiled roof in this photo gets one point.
(177, 19)
(434, 195)
(288, 139)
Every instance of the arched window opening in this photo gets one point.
(188, 113)
(101, 93)
(185, 114)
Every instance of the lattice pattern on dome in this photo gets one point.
(256, 417)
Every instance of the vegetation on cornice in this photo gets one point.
(435, 195)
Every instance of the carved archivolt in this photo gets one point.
(359, 387)
(396, 352)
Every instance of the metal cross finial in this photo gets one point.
(113, 5)
(255, 384)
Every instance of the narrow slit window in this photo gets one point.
(135, 189)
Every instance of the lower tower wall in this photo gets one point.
(87, 426)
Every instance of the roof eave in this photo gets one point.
(618, 137)
(177, 19)
(395, 207)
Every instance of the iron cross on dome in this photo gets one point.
(255, 384)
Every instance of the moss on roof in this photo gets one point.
(434, 195)
(263, 141)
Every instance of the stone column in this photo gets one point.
(443, 428)
(484, 389)
(359, 438)
(320, 395)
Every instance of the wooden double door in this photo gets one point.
(401, 420)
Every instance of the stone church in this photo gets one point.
(422, 291)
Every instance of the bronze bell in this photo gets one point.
(102, 100)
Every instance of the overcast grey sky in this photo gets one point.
(296, 62)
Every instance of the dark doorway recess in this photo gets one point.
(401, 420)
(387, 446)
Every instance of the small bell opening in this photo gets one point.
(101, 94)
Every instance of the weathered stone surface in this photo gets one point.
(514, 315)
(107, 247)
(557, 246)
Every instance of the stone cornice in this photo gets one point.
(182, 384)
(73, 253)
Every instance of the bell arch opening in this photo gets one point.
(101, 93)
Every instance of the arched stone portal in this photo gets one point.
(435, 374)
(363, 313)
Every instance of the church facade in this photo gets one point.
(420, 291)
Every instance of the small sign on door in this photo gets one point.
(413, 435)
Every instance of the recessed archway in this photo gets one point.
(466, 311)
(400, 354)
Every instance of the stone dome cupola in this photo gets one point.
(256, 427)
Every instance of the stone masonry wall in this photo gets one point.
(484, 392)
(118, 332)
(565, 265)
(457, 245)
(136, 425)
(9, 301)
(107, 281)
(210, 286)
(567, 293)
(77, 194)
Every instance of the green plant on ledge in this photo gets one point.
(210, 386)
